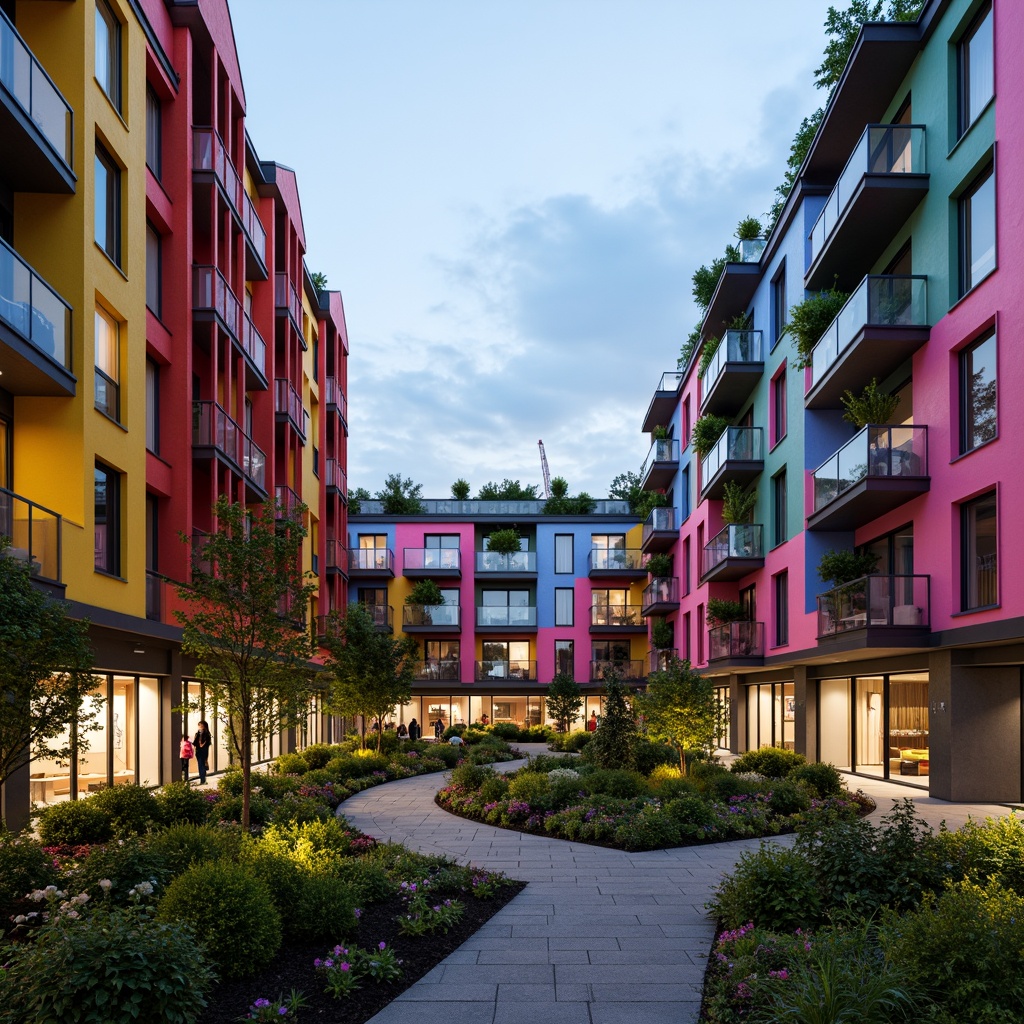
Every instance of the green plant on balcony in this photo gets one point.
(706, 432)
(737, 504)
(707, 354)
(808, 321)
(504, 542)
(659, 565)
(662, 634)
(872, 405)
(721, 611)
(842, 567)
(659, 433)
(748, 229)
(647, 502)
(425, 592)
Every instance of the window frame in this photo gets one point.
(559, 555)
(565, 647)
(152, 406)
(108, 376)
(965, 221)
(154, 267)
(154, 133)
(780, 508)
(107, 27)
(561, 618)
(780, 415)
(107, 560)
(966, 102)
(110, 194)
(969, 579)
(780, 597)
(967, 411)
(779, 308)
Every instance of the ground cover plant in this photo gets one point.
(873, 923)
(232, 923)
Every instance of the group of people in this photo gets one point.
(199, 748)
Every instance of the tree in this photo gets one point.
(565, 698)
(245, 624)
(507, 490)
(46, 677)
(680, 708)
(400, 497)
(614, 742)
(562, 504)
(460, 489)
(373, 670)
(319, 280)
(356, 498)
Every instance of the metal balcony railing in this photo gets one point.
(736, 640)
(253, 227)
(333, 395)
(287, 298)
(337, 556)
(211, 291)
(334, 476)
(213, 427)
(253, 344)
(29, 306)
(488, 670)
(288, 402)
(34, 535)
(877, 602)
(210, 154)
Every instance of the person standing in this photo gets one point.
(201, 743)
(414, 730)
(185, 752)
(438, 729)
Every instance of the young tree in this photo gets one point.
(680, 708)
(507, 490)
(614, 742)
(245, 624)
(373, 670)
(460, 489)
(565, 698)
(400, 496)
(45, 673)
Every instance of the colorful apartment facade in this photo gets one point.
(904, 203)
(161, 344)
(570, 601)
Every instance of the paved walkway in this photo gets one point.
(597, 937)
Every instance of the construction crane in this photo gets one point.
(546, 471)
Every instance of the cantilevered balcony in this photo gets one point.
(877, 611)
(213, 298)
(486, 671)
(36, 122)
(371, 562)
(733, 553)
(737, 642)
(438, 669)
(632, 670)
(663, 404)
(738, 456)
(661, 465)
(334, 397)
(660, 596)
(884, 322)
(255, 241)
(505, 618)
(335, 479)
(432, 563)
(616, 563)
(254, 348)
(287, 301)
(287, 500)
(35, 331)
(210, 161)
(383, 616)
(215, 433)
(517, 565)
(877, 470)
(288, 407)
(883, 181)
(34, 536)
(660, 530)
(431, 618)
(337, 557)
(617, 618)
(734, 370)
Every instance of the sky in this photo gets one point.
(512, 196)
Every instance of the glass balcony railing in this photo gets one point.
(425, 559)
(736, 640)
(751, 249)
(484, 671)
(287, 298)
(213, 427)
(254, 345)
(882, 149)
(616, 560)
(735, 347)
(632, 670)
(448, 670)
(503, 615)
(371, 559)
(614, 616)
(29, 306)
(334, 476)
(288, 402)
(737, 540)
(34, 535)
(881, 601)
(253, 227)
(209, 154)
(440, 615)
(663, 450)
(33, 90)
(876, 451)
(333, 395)
(383, 615)
(737, 444)
(661, 590)
(670, 381)
(517, 561)
(337, 556)
(287, 500)
(211, 291)
(880, 300)
(661, 520)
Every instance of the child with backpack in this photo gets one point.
(185, 752)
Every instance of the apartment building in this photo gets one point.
(161, 344)
(571, 600)
(904, 203)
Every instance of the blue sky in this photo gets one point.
(512, 196)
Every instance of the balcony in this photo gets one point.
(518, 565)
(438, 670)
(660, 596)
(733, 373)
(337, 558)
(883, 181)
(663, 404)
(506, 618)
(661, 465)
(334, 477)
(431, 618)
(288, 407)
(287, 501)
(334, 398)
(616, 563)
(617, 618)
(488, 671)
(660, 531)
(632, 671)
(383, 616)
(660, 660)
(214, 431)
(210, 161)
(435, 563)
(325, 627)
(254, 348)
(733, 553)
(877, 470)
(213, 299)
(36, 122)
(884, 322)
(371, 562)
(737, 642)
(287, 302)
(876, 611)
(255, 241)
(738, 456)
(751, 249)
(35, 534)
(35, 331)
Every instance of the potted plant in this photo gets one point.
(706, 432)
(808, 321)
(872, 405)
(841, 569)
(721, 611)
(660, 565)
(737, 504)
(425, 594)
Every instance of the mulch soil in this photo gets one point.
(292, 968)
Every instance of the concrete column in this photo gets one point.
(805, 730)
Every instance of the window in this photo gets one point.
(779, 406)
(108, 204)
(373, 551)
(701, 618)
(685, 439)
(978, 231)
(564, 658)
(564, 606)
(506, 608)
(782, 609)
(686, 637)
(563, 553)
(507, 660)
(107, 528)
(608, 656)
(152, 407)
(978, 567)
(108, 52)
(611, 608)
(978, 393)
(975, 74)
(108, 360)
(687, 565)
(154, 270)
(779, 501)
(608, 551)
(441, 550)
(154, 133)
(442, 660)
(778, 305)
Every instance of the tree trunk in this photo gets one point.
(245, 757)
(682, 761)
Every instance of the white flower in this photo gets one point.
(105, 884)
(20, 919)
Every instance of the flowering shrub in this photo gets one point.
(344, 969)
(425, 915)
(280, 1009)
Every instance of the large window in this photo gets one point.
(778, 406)
(108, 361)
(442, 550)
(779, 501)
(108, 52)
(107, 528)
(978, 231)
(611, 608)
(154, 133)
(781, 609)
(778, 305)
(975, 71)
(506, 608)
(563, 606)
(154, 271)
(563, 553)
(564, 658)
(152, 406)
(108, 204)
(978, 562)
(978, 393)
(607, 551)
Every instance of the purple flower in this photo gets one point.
(382, 946)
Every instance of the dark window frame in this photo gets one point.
(109, 560)
(154, 133)
(779, 308)
(780, 505)
(965, 101)
(970, 577)
(572, 606)
(965, 221)
(780, 593)
(113, 85)
(572, 554)
(110, 243)
(158, 280)
(968, 408)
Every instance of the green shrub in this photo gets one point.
(23, 867)
(325, 911)
(343, 767)
(470, 776)
(505, 730)
(650, 755)
(274, 786)
(532, 787)
(823, 779)
(693, 812)
(132, 810)
(293, 807)
(292, 764)
(724, 785)
(649, 830)
(448, 755)
(494, 788)
(230, 781)
(231, 911)
(74, 823)
(703, 772)
(771, 762)
(125, 863)
(368, 882)
(230, 809)
(615, 782)
(181, 846)
(178, 804)
(789, 798)
(318, 755)
(571, 743)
